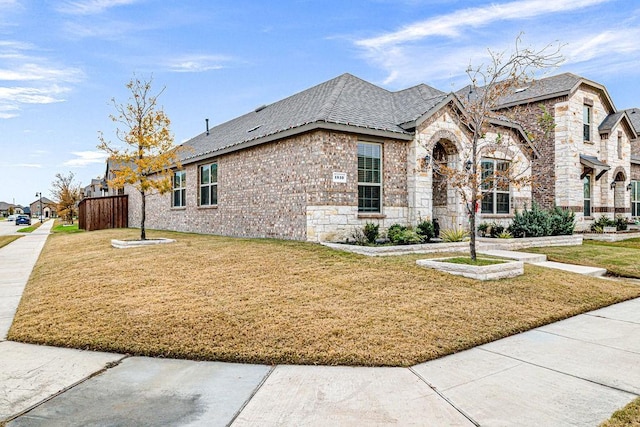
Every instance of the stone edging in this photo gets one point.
(124, 244)
(482, 244)
(478, 272)
(611, 237)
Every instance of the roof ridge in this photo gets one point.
(330, 103)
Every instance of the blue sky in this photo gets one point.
(62, 61)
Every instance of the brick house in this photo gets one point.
(589, 162)
(317, 164)
(49, 208)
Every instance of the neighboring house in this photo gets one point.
(49, 208)
(586, 160)
(97, 188)
(7, 209)
(634, 187)
(331, 158)
(112, 167)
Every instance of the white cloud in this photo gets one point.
(84, 158)
(90, 7)
(28, 165)
(196, 63)
(36, 72)
(29, 95)
(439, 49)
(452, 24)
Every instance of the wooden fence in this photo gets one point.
(98, 213)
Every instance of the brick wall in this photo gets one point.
(268, 190)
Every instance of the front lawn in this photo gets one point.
(270, 301)
(619, 258)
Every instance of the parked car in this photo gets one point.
(11, 218)
(23, 220)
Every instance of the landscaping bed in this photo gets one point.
(271, 301)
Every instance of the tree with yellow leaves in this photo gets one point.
(68, 194)
(149, 152)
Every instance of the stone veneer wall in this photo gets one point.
(283, 189)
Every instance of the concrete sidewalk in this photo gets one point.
(571, 373)
(16, 262)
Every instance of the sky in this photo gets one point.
(62, 62)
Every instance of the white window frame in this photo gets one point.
(210, 186)
(375, 180)
(635, 198)
(489, 186)
(179, 189)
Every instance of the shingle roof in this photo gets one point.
(610, 121)
(634, 117)
(344, 100)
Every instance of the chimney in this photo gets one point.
(207, 122)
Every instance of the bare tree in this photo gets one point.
(483, 117)
(146, 160)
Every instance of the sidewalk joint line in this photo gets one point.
(106, 367)
(564, 373)
(445, 398)
(255, 391)
(589, 342)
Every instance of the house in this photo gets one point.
(112, 166)
(43, 208)
(331, 158)
(634, 188)
(318, 164)
(587, 158)
(7, 209)
(97, 188)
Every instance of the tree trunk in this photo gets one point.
(143, 234)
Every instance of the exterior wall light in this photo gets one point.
(629, 187)
(467, 165)
(613, 185)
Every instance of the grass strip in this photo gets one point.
(619, 258)
(629, 416)
(5, 240)
(280, 302)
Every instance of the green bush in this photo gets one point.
(621, 223)
(531, 223)
(371, 232)
(483, 229)
(563, 222)
(599, 224)
(394, 231)
(408, 236)
(426, 230)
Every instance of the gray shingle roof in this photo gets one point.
(610, 121)
(634, 117)
(344, 100)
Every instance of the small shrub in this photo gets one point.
(426, 230)
(496, 229)
(483, 229)
(454, 234)
(358, 237)
(531, 223)
(602, 222)
(393, 232)
(408, 236)
(505, 235)
(563, 222)
(371, 232)
(621, 223)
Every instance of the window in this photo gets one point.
(495, 186)
(635, 198)
(209, 184)
(586, 120)
(369, 177)
(587, 195)
(179, 189)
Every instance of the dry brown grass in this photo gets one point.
(269, 301)
(629, 416)
(5, 240)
